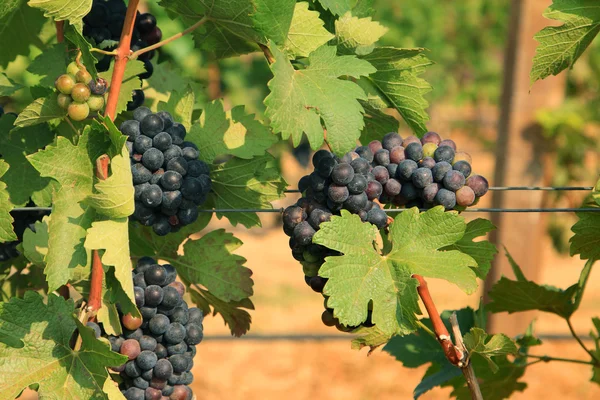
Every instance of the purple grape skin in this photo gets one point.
(360, 166)
(448, 142)
(377, 217)
(358, 184)
(479, 185)
(375, 146)
(414, 151)
(365, 152)
(325, 167)
(392, 188)
(397, 155)
(444, 153)
(303, 233)
(446, 198)
(317, 217)
(422, 177)
(454, 180)
(381, 174)
(463, 167)
(465, 196)
(342, 174)
(319, 155)
(431, 137)
(374, 190)
(356, 202)
(430, 191)
(337, 193)
(409, 191)
(406, 169)
(391, 140)
(427, 162)
(439, 170)
(382, 157)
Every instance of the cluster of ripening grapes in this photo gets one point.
(105, 22)
(170, 181)
(407, 172)
(79, 93)
(160, 346)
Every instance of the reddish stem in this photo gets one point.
(121, 59)
(95, 299)
(443, 336)
(60, 31)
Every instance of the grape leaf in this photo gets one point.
(436, 375)
(50, 64)
(299, 100)
(40, 111)
(24, 181)
(167, 79)
(306, 32)
(233, 132)
(246, 184)
(415, 240)
(210, 262)
(338, 7)
(523, 295)
(79, 42)
(376, 121)
(487, 346)
(586, 238)
(237, 319)
(61, 10)
(34, 347)
(229, 29)
(7, 234)
(72, 166)
(8, 86)
(131, 82)
(113, 197)
(357, 35)
(181, 106)
(17, 16)
(560, 46)
(272, 18)
(596, 336)
(397, 78)
(483, 252)
(35, 244)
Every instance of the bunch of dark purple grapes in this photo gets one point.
(162, 344)
(423, 173)
(105, 22)
(22, 221)
(409, 172)
(170, 181)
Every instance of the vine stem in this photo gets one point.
(121, 59)
(60, 31)
(583, 346)
(453, 354)
(466, 367)
(267, 52)
(106, 53)
(550, 358)
(97, 276)
(176, 36)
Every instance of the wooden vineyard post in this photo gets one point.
(519, 157)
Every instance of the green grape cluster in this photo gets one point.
(79, 93)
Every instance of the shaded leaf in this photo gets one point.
(306, 32)
(40, 111)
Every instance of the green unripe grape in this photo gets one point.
(95, 102)
(309, 257)
(81, 93)
(65, 83)
(78, 111)
(429, 149)
(64, 100)
(72, 69)
(83, 76)
(310, 269)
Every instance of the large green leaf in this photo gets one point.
(35, 349)
(50, 64)
(246, 184)
(233, 132)
(23, 180)
(560, 46)
(306, 33)
(20, 26)
(61, 10)
(338, 7)
(7, 233)
(397, 78)
(357, 35)
(586, 238)
(233, 312)
(487, 346)
(377, 123)
(272, 18)
(416, 242)
(113, 197)
(300, 100)
(40, 111)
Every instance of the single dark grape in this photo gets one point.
(358, 184)
(161, 351)
(319, 155)
(146, 360)
(409, 191)
(181, 392)
(130, 128)
(187, 216)
(152, 196)
(392, 188)
(153, 159)
(196, 316)
(397, 155)
(374, 190)
(152, 394)
(153, 293)
(130, 348)
(356, 202)
(382, 157)
(318, 216)
(431, 137)
(360, 166)
(479, 185)
(178, 164)
(414, 151)
(405, 170)
(430, 191)
(137, 99)
(194, 334)
(158, 324)
(179, 363)
(133, 334)
(427, 162)
(98, 86)
(140, 113)
(342, 174)
(147, 343)
(153, 37)
(180, 315)
(317, 283)
(190, 154)
(465, 196)
(446, 198)
(422, 177)
(293, 215)
(463, 167)
(382, 175)
(145, 23)
(448, 142)
(454, 180)
(171, 297)
(444, 153)
(163, 369)
(134, 393)
(303, 233)
(197, 168)
(374, 146)
(179, 348)
(365, 153)
(337, 193)
(325, 167)
(148, 312)
(152, 125)
(141, 143)
(392, 169)
(377, 217)
(317, 182)
(391, 140)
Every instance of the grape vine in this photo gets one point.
(113, 163)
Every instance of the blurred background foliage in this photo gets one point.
(465, 39)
